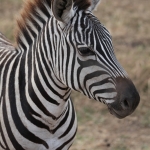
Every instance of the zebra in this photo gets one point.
(60, 47)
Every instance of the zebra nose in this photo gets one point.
(128, 95)
(127, 98)
(130, 103)
(125, 104)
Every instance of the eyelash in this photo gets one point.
(86, 51)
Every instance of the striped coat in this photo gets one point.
(60, 46)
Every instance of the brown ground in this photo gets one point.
(129, 23)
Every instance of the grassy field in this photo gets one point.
(129, 23)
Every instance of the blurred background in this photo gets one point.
(129, 24)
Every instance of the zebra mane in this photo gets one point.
(30, 6)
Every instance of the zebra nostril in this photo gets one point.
(125, 104)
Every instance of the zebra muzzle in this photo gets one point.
(127, 98)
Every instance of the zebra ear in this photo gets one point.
(63, 10)
(94, 4)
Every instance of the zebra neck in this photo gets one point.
(41, 85)
(43, 93)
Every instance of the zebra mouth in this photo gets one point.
(106, 101)
(115, 113)
(112, 110)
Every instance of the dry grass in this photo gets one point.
(128, 21)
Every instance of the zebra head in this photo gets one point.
(87, 59)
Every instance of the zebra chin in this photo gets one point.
(127, 98)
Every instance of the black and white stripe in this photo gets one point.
(36, 78)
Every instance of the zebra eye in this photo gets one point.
(86, 51)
